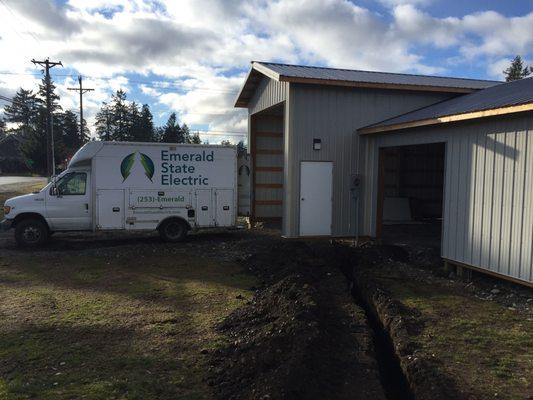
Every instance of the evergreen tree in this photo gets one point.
(86, 133)
(241, 147)
(142, 124)
(133, 122)
(104, 124)
(120, 116)
(190, 138)
(34, 147)
(22, 111)
(158, 133)
(114, 121)
(70, 132)
(2, 129)
(172, 133)
(54, 98)
(146, 124)
(517, 70)
(195, 139)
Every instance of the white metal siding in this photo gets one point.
(488, 199)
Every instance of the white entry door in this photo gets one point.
(316, 190)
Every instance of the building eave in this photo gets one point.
(447, 119)
(250, 83)
(371, 85)
(258, 70)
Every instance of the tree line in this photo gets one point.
(117, 120)
(28, 113)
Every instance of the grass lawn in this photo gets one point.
(482, 344)
(92, 327)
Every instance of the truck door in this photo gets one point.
(68, 205)
(110, 204)
(225, 207)
(204, 209)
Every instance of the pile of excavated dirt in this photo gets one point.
(422, 371)
(301, 337)
(376, 270)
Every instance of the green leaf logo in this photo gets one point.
(148, 165)
(126, 164)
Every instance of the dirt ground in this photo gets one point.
(302, 336)
(247, 315)
(455, 339)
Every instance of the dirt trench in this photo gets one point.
(304, 335)
(416, 372)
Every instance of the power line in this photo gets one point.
(156, 84)
(22, 24)
(220, 133)
(10, 100)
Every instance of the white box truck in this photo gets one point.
(171, 188)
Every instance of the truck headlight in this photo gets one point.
(7, 209)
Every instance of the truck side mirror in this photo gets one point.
(54, 191)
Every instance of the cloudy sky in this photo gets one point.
(191, 56)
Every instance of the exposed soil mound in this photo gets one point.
(301, 337)
(272, 338)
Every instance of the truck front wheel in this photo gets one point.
(31, 233)
(173, 230)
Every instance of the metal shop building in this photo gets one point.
(339, 152)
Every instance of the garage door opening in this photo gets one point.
(411, 190)
(266, 149)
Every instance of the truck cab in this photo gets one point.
(62, 205)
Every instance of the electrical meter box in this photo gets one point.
(356, 184)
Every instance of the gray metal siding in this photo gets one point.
(268, 93)
(333, 114)
(488, 199)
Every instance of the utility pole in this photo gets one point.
(50, 158)
(82, 90)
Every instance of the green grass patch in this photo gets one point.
(481, 343)
(88, 327)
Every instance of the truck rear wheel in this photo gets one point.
(31, 233)
(173, 230)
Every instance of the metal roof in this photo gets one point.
(501, 97)
(353, 78)
(336, 74)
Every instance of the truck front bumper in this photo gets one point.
(6, 224)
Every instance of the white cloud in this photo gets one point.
(415, 26)
(394, 3)
(200, 49)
